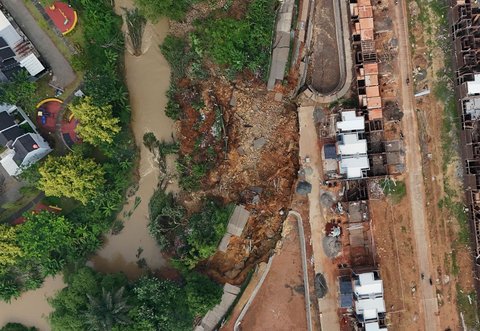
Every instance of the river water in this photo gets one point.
(147, 78)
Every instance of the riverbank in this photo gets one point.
(147, 78)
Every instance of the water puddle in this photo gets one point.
(32, 308)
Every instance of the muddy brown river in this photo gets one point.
(147, 78)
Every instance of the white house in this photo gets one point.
(368, 301)
(21, 143)
(16, 52)
(351, 122)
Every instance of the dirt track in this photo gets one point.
(415, 184)
(284, 284)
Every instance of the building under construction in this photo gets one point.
(362, 150)
(466, 36)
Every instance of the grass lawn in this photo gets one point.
(396, 190)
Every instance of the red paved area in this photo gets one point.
(38, 208)
(68, 131)
(63, 16)
(47, 114)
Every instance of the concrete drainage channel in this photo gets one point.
(303, 250)
(340, 12)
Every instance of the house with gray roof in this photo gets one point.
(16, 51)
(20, 142)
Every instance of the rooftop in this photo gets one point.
(472, 107)
(474, 87)
(370, 68)
(371, 80)
(238, 220)
(374, 114)
(350, 144)
(365, 11)
(350, 121)
(374, 326)
(370, 308)
(10, 135)
(6, 120)
(374, 102)
(367, 284)
(24, 145)
(16, 49)
(353, 166)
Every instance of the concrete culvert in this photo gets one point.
(321, 288)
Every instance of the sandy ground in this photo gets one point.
(280, 303)
(395, 255)
(414, 180)
(416, 236)
(309, 147)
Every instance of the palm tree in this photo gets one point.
(107, 311)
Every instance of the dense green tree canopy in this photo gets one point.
(95, 301)
(107, 311)
(161, 306)
(17, 327)
(202, 293)
(96, 123)
(20, 91)
(205, 230)
(244, 43)
(9, 248)
(74, 306)
(71, 176)
(154, 9)
(46, 238)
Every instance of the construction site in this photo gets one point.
(360, 145)
(465, 35)
(366, 251)
(362, 228)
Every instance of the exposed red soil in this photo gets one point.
(280, 303)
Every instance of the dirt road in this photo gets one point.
(283, 284)
(309, 147)
(414, 175)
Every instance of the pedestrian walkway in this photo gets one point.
(62, 70)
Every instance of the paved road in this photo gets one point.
(306, 285)
(416, 188)
(308, 136)
(63, 72)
